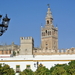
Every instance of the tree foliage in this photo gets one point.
(63, 69)
(6, 70)
(26, 72)
(14, 53)
(42, 71)
(59, 71)
(71, 68)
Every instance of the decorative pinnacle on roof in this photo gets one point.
(49, 14)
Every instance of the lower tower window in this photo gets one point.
(46, 48)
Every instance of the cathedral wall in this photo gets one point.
(46, 43)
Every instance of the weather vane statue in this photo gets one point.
(48, 5)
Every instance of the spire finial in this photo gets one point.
(48, 5)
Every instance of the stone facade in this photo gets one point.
(49, 34)
(6, 50)
(26, 45)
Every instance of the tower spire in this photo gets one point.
(49, 17)
(49, 34)
(49, 14)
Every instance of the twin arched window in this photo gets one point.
(46, 32)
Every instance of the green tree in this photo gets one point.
(17, 52)
(72, 64)
(59, 71)
(0, 69)
(6, 70)
(71, 72)
(26, 72)
(59, 67)
(42, 71)
(14, 53)
(63, 69)
(71, 68)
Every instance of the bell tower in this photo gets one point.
(49, 33)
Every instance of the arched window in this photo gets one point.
(46, 31)
(47, 21)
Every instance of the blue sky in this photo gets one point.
(28, 15)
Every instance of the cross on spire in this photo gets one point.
(48, 5)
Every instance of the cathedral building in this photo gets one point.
(49, 39)
(27, 56)
(49, 34)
